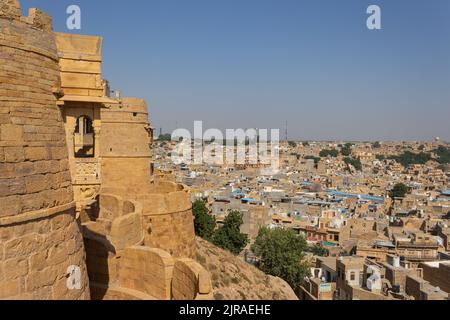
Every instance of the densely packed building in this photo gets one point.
(339, 196)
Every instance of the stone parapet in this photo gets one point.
(121, 265)
(10, 9)
(190, 281)
(167, 217)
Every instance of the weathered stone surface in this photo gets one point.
(14, 154)
(15, 268)
(234, 279)
(38, 261)
(11, 132)
(10, 9)
(190, 281)
(132, 243)
(40, 19)
(35, 186)
(9, 288)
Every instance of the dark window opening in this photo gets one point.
(84, 138)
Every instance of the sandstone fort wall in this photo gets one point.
(39, 236)
(127, 170)
(131, 236)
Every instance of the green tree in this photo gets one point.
(346, 150)
(204, 223)
(354, 162)
(281, 254)
(329, 153)
(316, 159)
(229, 236)
(292, 144)
(443, 155)
(376, 145)
(399, 191)
(165, 137)
(319, 250)
(408, 158)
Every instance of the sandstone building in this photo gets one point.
(75, 161)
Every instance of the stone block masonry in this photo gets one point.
(134, 237)
(39, 236)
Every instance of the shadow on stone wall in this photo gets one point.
(121, 266)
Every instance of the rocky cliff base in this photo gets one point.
(234, 279)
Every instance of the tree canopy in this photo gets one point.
(316, 159)
(329, 153)
(409, 158)
(319, 250)
(346, 150)
(204, 223)
(229, 236)
(165, 137)
(281, 254)
(354, 162)
(399, 191)
(443, 155)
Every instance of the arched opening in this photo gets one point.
(84, 140)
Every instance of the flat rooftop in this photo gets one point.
(329, 262)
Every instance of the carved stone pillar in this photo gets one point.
(97, 130)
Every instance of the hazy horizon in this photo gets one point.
(258, 63)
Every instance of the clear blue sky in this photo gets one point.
(258, 63)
